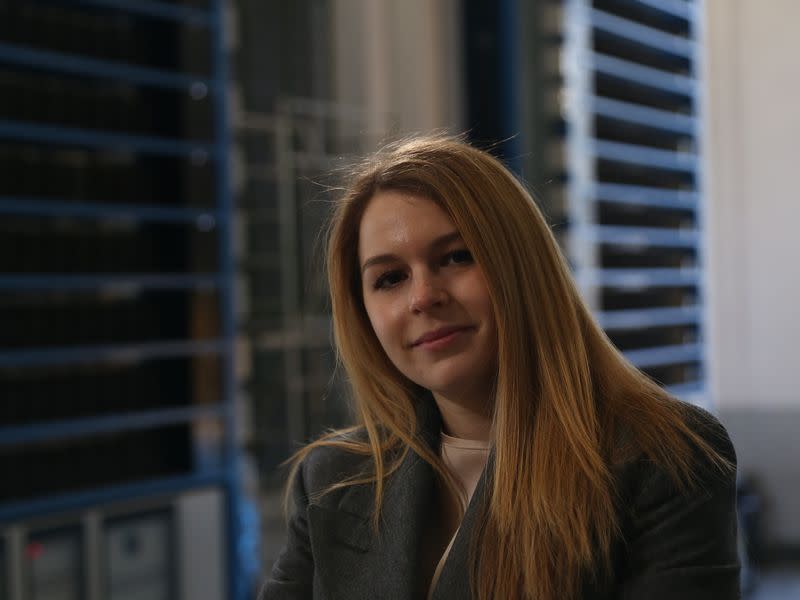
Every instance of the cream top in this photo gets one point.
(466, 460)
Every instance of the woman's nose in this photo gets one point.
(426, 293)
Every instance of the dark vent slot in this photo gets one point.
(612, 45)
(103, 176)
(45, 245)
(653, 337)
(674, 374)
(640, 93)
(37, 395)
(620, 131)
(646, 258)
(610, 213)
(618, 172)
(100, 104)
(75, 465)
(36, 320)
(620, 299)
(107, 35)
(645, 14)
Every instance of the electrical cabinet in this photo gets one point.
(156, 548)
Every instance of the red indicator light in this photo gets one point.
(34, 550)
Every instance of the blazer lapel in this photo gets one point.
(358, 563)
(454, 579)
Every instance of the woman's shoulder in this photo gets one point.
(709, 463)
(334, 458)
(678, 531)
(711, 431)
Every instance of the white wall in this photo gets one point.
(753, 148)
(401, 61)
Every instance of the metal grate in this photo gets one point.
(116, 326)
(288, 364)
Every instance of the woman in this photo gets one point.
(505, 449)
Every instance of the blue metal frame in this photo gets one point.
(109, 354)
(110, 282)
(642, 278)
(648, 317)
(696, 29)
(645, 156)
(233, 476)
(648, 36)
(642, 236)
(215, 152)
(641, 75)
(692, 389)
(156, 10)
(75, 501)
(76, 428)
(73, 136)
(57, 62)
(675, 8)
(589, 157)
(643, 115)
(645, 196)
(664, 355)
(202, 219)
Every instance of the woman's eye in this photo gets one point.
(388, 280)
(459, 257)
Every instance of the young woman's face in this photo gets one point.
(426, 298)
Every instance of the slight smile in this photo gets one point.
(439, 338)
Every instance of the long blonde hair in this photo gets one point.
(568, 405)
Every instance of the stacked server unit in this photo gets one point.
(289, 159)
(117, 448)
(622, 175)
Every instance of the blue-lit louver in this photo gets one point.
(633, 171)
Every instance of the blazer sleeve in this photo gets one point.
(683, 543)
(293, 572)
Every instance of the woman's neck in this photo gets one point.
(464, 420)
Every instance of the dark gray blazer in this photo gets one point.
(673, 546)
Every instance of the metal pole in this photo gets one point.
(235, 590)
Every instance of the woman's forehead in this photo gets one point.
(396, 219)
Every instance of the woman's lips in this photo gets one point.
(439, 338)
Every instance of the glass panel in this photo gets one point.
(138, 551)
(54, 565)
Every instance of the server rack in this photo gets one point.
(618, 153)
(289, 159)
(289, 139)
(116, 344)
(290, 387)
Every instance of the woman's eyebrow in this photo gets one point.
(381, 259)
(445, 239)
